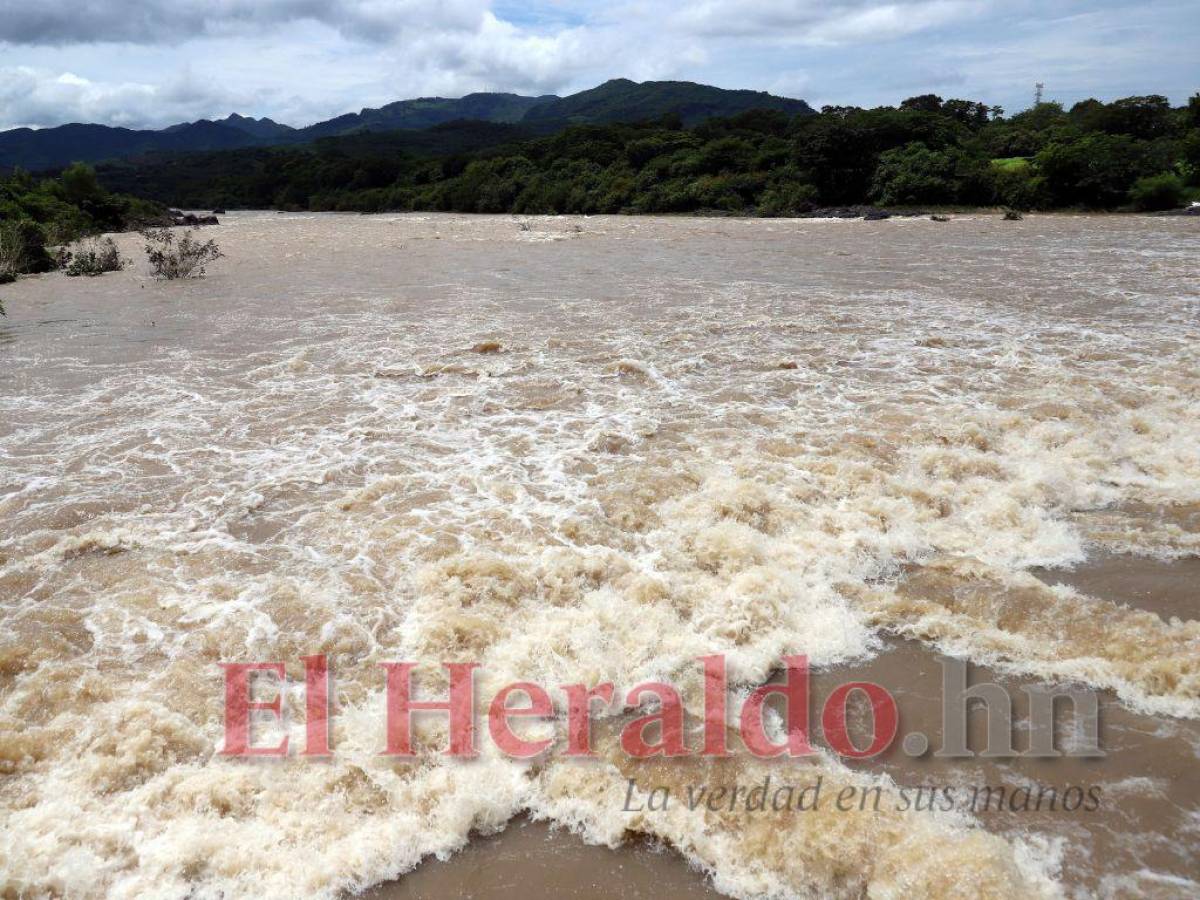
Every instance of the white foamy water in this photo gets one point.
(593, 450)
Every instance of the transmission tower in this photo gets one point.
(1037, 93)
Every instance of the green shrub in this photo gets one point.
(185, 258)
(1094, 171)
(915, 174)
(788, 199)
(1011, 163)
(1156, 192)
(1018, 186)
(23, 249)
(94, 258)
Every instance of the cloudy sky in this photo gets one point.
(150, 63)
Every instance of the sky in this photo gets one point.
(152, 63)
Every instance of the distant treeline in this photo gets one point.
(1138, 152)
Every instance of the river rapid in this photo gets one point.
(583, 450)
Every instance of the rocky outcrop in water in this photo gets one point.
(868, 213)
(1193, 210)
(191, 219)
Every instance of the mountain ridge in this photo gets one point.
(616, 100)
(622, 100)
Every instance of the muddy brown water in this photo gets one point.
(595, 450)
(1134, 841)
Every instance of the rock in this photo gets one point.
(1193, 210)
(869, 213)
(1011, 215)
(193, 220)
(866, 213)
(937, 218)
(609, 443)
(218, 212)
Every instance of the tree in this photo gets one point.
(915, 174)
(923, 103)
(1095, 171)
(1155, 192)
(1146, 118)
(185, 258)
(968, 112)
(1190, 164)
(729, 154)
(1041, 117)
(1017, 185)
(79, 183)
(22, 249)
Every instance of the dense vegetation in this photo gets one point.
(37, 214)
(1138, 152)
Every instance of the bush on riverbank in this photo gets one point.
(39, 213)
(1158, 192)
(186, 257)
(22, 249)
(93, 257)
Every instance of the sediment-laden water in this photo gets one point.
(587, 450)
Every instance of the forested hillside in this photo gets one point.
(1137, 152)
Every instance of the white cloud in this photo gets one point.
(893, 20)
(37, 97)
(497, 56)
(816, 22)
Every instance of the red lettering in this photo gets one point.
(795, 692)
(539, 706)
(579, 715)
(316, 706)
(715, 684)
(401, 706)
(238, 707)
(669, 717)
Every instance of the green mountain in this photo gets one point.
(622, 100)
(615, 101)
(264, 129)
(426, 112)
(49, 148)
